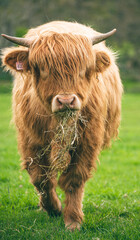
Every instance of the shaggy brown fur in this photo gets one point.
(63, 60)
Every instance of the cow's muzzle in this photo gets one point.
(65, 101)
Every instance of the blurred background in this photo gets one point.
(17, 16)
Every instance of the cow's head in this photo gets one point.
(62, 67)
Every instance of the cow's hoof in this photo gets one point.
(55, 213)
(72, 226)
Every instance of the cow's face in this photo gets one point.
(63, 69)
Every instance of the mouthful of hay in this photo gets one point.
(66, 135)
(64, 140)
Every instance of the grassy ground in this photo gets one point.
(111, 197)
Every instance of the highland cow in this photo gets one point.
(66, 108)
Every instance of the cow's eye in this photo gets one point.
(36, 68)
(37, 73)
(89, 73)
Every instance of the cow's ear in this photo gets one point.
(16, 59)
(102, 61)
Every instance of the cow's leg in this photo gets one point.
(74, 190)
(73, 214)
(46, 188)
(72, 182)
(49, 200)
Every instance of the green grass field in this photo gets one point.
(111, 200)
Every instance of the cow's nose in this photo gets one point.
(63, 101)
(66, 100)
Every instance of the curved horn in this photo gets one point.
(102, 37)
(20, 41)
